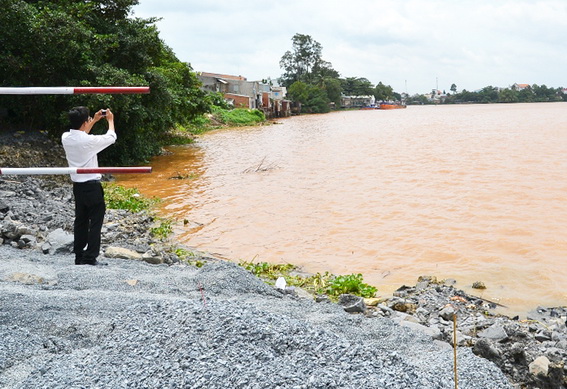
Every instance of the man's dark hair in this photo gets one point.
(77, 116)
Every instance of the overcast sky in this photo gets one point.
(412, 45)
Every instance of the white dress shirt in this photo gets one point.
(81, 150)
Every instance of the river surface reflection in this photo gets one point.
(470, 192)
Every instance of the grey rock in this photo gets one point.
(540, 366)
(179, 326)
(29, 239)
(433, 332)
(478, 285)
(45, 247)
(123, 253)
(494, 332)
(7, 193)
(450, 281)
(486, 349)
(543, 336)
(421, 285)
(152, 258)
(352, 303)
(60, 241)
(447, 313)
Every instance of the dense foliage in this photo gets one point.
(238, 116)
(490, 94)
(314, 83)
(94, 43)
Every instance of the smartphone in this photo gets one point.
(104, 112)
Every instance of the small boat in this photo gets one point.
(392, 105)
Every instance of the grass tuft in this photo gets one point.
(119, 197)
(326, 283)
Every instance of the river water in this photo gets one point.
(470, 192)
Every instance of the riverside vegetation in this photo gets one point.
(36, 215)
(98, 43)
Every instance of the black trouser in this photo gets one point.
(89, 216)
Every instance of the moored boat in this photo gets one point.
(392, 105)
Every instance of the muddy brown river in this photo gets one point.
(470, 192)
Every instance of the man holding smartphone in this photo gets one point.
(81, 149)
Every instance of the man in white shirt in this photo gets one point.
(81, 149)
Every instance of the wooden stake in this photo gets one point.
(455, 350)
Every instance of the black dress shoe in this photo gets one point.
(92, 263)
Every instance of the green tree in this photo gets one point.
(383, 92)
(318, 81)
(313, 99)
(357, 86)
(332, 87)
(417, 99)
(453, 88)
(508, 96)
(304, 62)
(94, 43)
(543, 93)
(466, 97)
(526, 95)
(488, 94)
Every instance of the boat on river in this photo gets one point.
(392, 105)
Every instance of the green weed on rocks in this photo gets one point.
(119, 197)
(320, 283)
(350, 284)
(129, 199)
(189, 257)
(163, 230)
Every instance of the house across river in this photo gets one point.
(241, 93)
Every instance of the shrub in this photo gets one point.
(238, 116)
(350, 284)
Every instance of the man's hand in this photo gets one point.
(97, 116)
(109, 115)
(110, 119)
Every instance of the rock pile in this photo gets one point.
(37, 212)
(36, 215)
(531, 352)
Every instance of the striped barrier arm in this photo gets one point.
(68, 90)
(73, 170)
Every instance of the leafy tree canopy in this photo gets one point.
(385, 92)
(313, 99)
(304, 62)
(94, 43)
(313, 81)
(357, 86)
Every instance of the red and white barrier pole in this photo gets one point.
(69, 90)
(73, 170)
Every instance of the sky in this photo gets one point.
(412, 45)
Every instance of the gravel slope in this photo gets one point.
(135, 325)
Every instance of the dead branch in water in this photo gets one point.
(260, 167)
